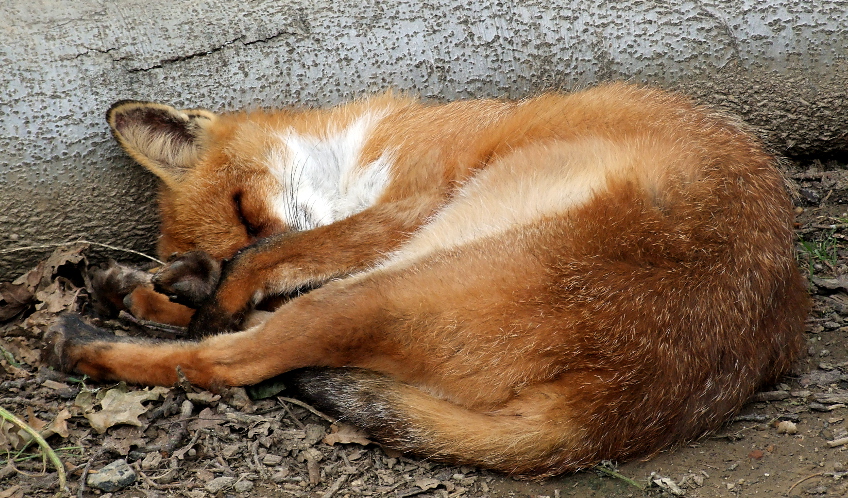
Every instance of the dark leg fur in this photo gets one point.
(69, 333)
(353, 395)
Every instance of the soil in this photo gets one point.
(791, 440)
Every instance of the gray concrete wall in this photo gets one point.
(782, 64)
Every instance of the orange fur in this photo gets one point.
(528, 286)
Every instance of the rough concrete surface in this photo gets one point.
(782, 64)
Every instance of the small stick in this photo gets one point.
(819, 474)
(144, 476)
(335, 487)
(304, 405)
(81, 241)
(838, 442)
(86, 470)
(296, 420)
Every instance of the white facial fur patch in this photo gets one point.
(320, 176)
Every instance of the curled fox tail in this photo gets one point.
(530, 437)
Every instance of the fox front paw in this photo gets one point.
(123, 288)
(189, 279)
(69, 340)
(110, 287)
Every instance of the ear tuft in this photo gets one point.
(161, 138)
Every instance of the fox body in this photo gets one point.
(528, 286)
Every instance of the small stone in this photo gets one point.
(243, 486)
(817, 490)
(280, 475)
(151, 460)
(787, 427)
(231, 450)
(117, 475)
(838, 467)
(314, 433)
(218, 484)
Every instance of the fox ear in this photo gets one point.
(164, 140)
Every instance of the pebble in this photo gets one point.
(218, 484)
(117, 475)
(243, 486)
(787, 427)
(151, 461)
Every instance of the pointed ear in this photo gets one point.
(164, 140)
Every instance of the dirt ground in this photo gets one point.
(791, 440)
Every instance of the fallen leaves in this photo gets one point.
(341, 433)
(44, 288)
(14, 438)
(121, 407)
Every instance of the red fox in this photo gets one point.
(530, 286)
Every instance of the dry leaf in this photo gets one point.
(58, 296)
(42, 275)
(52, 384)
(207, 418)
(59, 425)
(34, 421)
(346, 434)
(9, 437)
(426, 483)
(22, 349)
(85, 401)
(120, 407)
(13, 300)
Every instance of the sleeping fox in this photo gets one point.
(528, 286)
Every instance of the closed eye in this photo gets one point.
(252, 230)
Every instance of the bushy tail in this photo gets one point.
(410, 420)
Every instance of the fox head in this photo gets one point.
(230, 179)
(215, 189)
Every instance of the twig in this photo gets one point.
(180, 453)
(612, 473)
(86, 469)
(304, 405)
(296, 420)
(819, 474)
(254, 450)
(81, 241)
(144, 476)
(51, 455)
(162, 327)
(335, 487)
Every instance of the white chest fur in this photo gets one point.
(321, 176)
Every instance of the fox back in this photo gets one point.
(528, 286)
